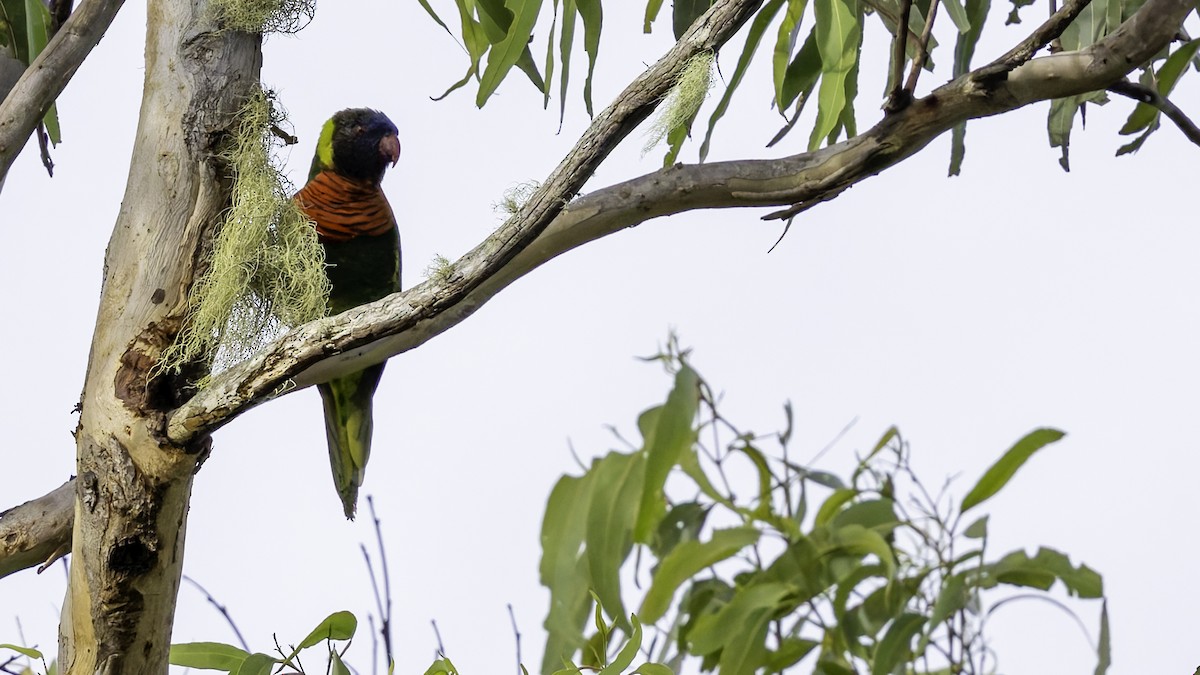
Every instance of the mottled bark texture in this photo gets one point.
(133, 483)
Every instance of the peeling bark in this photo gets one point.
(134, 483)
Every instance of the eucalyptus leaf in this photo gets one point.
(206, 656)
(998, 475)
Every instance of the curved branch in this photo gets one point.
(1150, 96)
(374, 332)
(371, 333)
(49, 74)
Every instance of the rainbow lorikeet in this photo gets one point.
(357, 228)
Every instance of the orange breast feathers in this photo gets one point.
(343, 208)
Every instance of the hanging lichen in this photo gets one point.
(263, 16)
(515, 198)
(684, 99)
(266, 271)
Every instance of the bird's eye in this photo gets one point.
(358, 129)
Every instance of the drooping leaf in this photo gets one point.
(838, 35)
(958, 14)
(563, 570)
(206, 656)
(593, 20)
(1168, 75)
(665, 444)
(1060, 121)
(610, 523)
(687, 560)
(566, 43)
(998, 475)
(1104, 644)
(513, 48)
(685, 13)
(896, 646)
(475, 39)
(432, 14)
(758, 27)
(785, 44)
(652, 8)
(18, 37)
(953, 596)
(549, 62)
(653, 669)
(802, 72)
(964, 51)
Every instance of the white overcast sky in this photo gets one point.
(967, 311)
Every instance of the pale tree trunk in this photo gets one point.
(134, 484)
(139, 442)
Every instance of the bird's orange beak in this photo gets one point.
(389, 147)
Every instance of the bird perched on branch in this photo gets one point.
(357, 228)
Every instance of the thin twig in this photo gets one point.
(1150, 96)
(385, 609)
(797, 209)
(1039, 38)
(922, 54)
(441, 649)
(288, 139)
(897, 99)
(374, 645)
(220, 608)
(516, 635)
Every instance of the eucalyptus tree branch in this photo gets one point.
(37, 532)
(49, 73)
(373, 332)
(707, 34)
(910, 85)
(896, 97)
(1150, 96)
(1039, 38)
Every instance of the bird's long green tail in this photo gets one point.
(348, 428)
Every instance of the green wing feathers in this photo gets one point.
(348, 422)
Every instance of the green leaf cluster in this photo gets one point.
(815, 49)
(337, 627)
(749, 562)
(24, 31)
